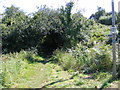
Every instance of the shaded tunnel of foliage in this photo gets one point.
(46, 30)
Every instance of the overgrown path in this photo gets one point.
(46, 74)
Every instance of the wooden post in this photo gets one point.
(113, 30)
(119, 31)
(114, 54)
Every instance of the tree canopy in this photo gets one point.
(103, 17)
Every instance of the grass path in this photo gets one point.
(46, 74)
(51, 75)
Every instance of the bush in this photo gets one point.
(105, 62)
(66, 60)
(102, 59)
(75, 58)
(83, 58)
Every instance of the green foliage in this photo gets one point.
(47, 30)
(44, 23)
(84, 58)
(80, 43)
(103, 62)
(18, 72)
(13, 24)
(66, 60)
(107, 20)
(103, 17)
(98, 14)
(90, 53)
(78, 83)
(102, 76)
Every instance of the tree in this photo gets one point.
(101, 16)
(47, 22)
(14, 21)
(98, 14)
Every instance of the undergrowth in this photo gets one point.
(84, 59)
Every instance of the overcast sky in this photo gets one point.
(87, 6)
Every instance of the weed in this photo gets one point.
(78, 83)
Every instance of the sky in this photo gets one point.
(87, 7)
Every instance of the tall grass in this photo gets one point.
(66, 60)
(15, 67)
(81, 58)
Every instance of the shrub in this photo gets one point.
(102, 59)
(105, 62)
(83, 58)
(66, 60)
(75, 58)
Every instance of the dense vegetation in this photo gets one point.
(70, 41)
(103, 17)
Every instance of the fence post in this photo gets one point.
(113, 30)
